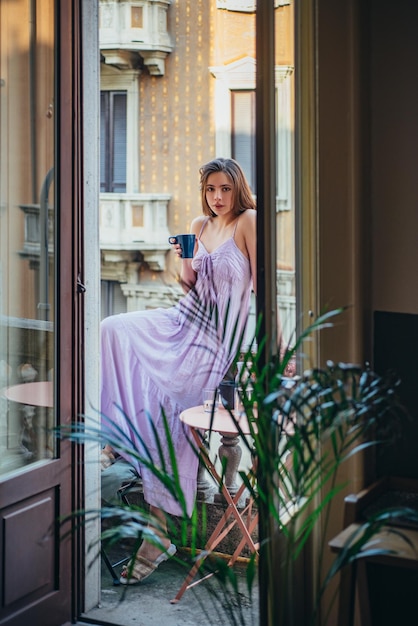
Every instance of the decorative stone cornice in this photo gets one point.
(145, 295)
(121, 59)
(120, 265)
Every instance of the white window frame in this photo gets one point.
(241, 74)
(285, 139)
(112, 79)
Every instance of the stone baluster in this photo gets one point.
(204, 488)
(230, 454)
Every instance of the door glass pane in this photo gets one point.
(27, 219)
(285, 195)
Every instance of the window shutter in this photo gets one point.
(119, 142)
(113, 117)
(243, 132)
(104, 143)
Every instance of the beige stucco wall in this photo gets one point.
(177, 130)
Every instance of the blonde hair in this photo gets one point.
(242, 196)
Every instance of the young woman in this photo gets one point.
(161, 359)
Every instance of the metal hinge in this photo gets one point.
(81, 288)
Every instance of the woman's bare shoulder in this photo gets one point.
(197, 224)
(246, 231)
(248, 218)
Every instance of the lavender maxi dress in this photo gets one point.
(165, 357)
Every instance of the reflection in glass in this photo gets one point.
(27, 216)
(285, 196)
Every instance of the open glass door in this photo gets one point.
(35, 471)
(162, 115)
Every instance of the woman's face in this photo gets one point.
(219, 193)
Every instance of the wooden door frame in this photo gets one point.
(79, 279)
(52, 482)
(70, 306)
(70, 295)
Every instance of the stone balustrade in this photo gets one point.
(136, 222)
(133, 33)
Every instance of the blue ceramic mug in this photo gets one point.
(227, 394)
(187, 243)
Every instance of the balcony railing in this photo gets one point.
(136, 222)
(286, 300)
(132, 33)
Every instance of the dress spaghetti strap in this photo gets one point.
(235, 227)
(203, 226)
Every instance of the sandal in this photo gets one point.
(143, 568)
(106, 459)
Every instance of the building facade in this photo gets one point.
(178, 89)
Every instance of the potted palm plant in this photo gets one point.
(302, 429)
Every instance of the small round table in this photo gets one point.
(35, 394)
(221, 421)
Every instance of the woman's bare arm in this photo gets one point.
(251, 242)
(248, 241)
(187, 274)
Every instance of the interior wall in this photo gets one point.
(367, 133)
(394, 128)
(367, 194)
(342, 209)
(343, 166)
(394, 201)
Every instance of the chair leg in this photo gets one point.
(133, 486)
(111, 566)
(347, 595)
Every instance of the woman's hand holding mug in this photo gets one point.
(183, 245)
